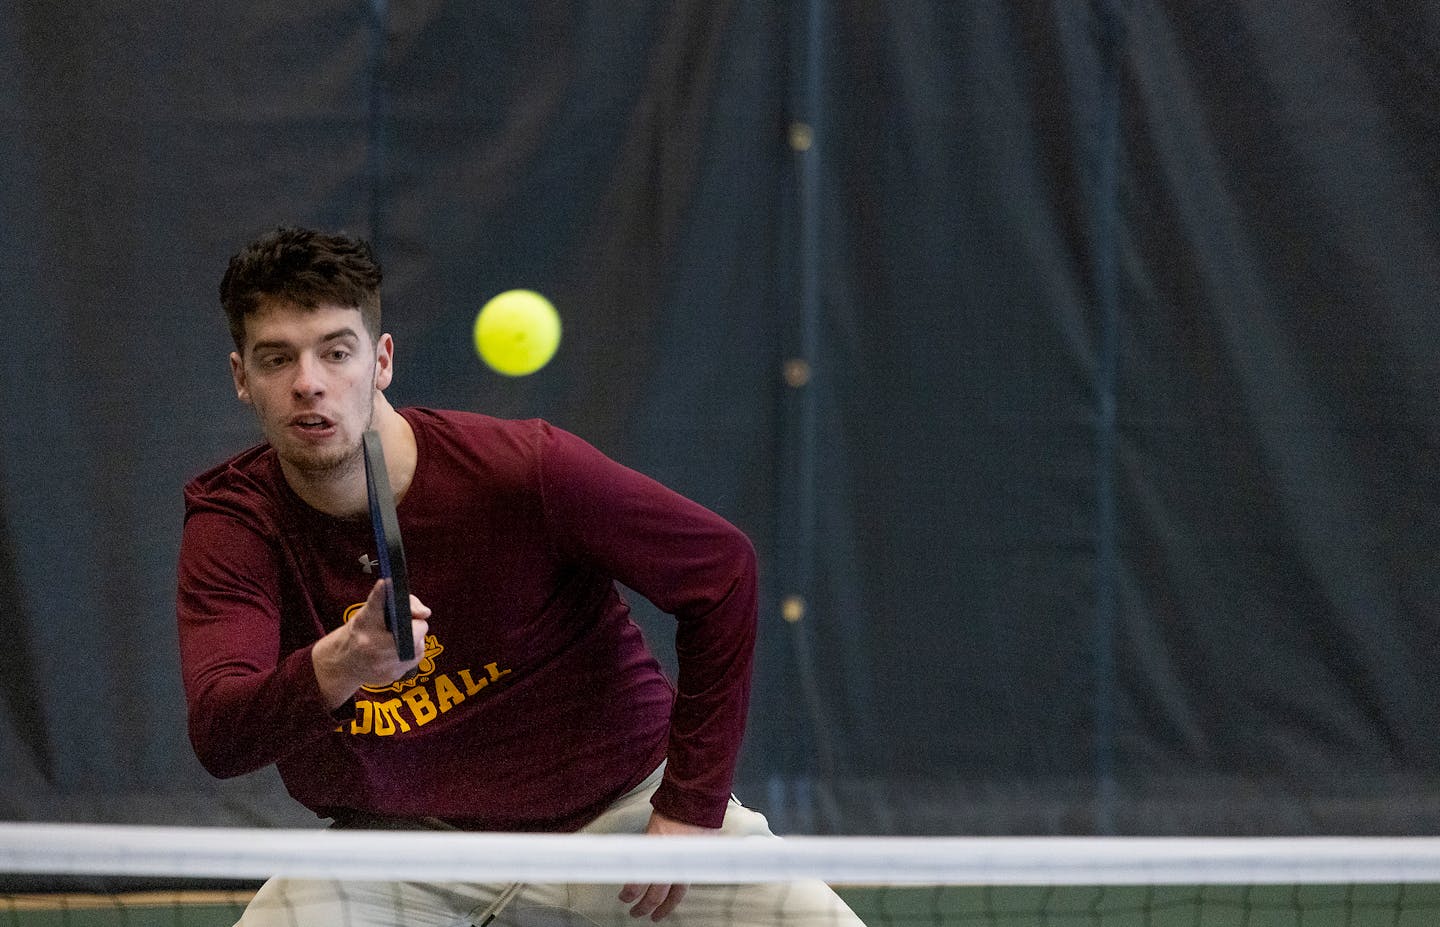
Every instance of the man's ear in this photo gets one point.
(237, 373)
(384, 361)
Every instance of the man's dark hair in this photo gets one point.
(303, 267)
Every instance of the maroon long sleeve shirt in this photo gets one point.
(537, 702)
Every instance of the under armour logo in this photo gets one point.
(367, 564)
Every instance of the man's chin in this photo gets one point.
(318, 463)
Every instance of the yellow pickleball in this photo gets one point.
(517, 332)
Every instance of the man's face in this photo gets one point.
(311, 376)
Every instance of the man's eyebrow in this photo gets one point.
(280, 345)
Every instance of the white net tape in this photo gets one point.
(235, 853)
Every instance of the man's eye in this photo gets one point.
(272, 361)
(339, 354)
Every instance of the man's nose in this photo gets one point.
(308, 381)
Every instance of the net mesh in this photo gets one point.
(205, 876)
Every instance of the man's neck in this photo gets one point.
(342, 493)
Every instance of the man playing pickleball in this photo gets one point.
(535, 704)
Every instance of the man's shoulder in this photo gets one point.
(471, 422)
(465, 449)
(244, 485)
(250, 460)
(477, 433)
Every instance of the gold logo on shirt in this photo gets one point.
(426, 667)
(424, 696)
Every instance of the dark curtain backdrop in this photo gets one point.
(1071, 364)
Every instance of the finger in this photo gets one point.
(419, 628)
(374, 605)
(650, 900)
(677, 894)
(418, 609)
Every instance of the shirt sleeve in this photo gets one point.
(689, 562)
(248, 707)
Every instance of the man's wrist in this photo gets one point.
(336, 684)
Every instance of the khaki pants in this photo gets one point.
(313, 903)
